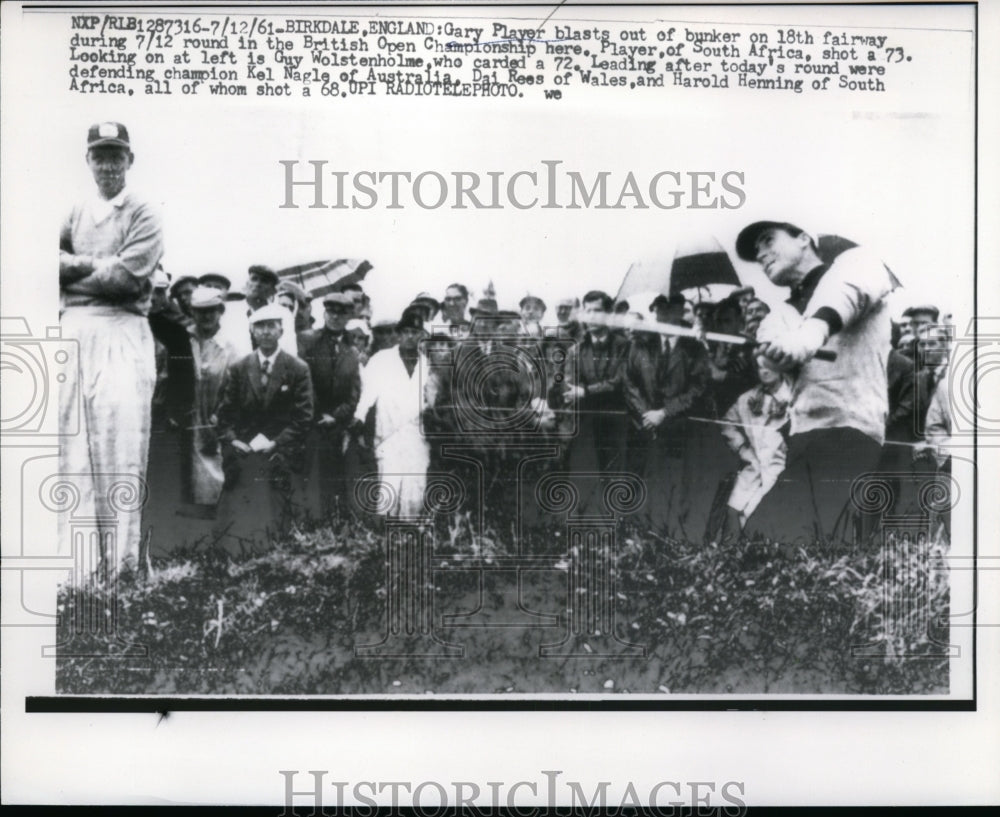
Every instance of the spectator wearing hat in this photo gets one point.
(755, 312)
(174, 390)
(485, 322)
(439, 419)
(743, 296)
(291, 294)
(596, 394)
(914, 318)
(360, 336)
(336, 377)
(363, 309)
(216, 280)
(109, 248)
(732, 366)
(264, 416)
(213, 356)
(428, 304)
(261, 286)
(384, 335)
(358, 298)
(168, 474)
(181, 291)
(666, 380)
(532, 312)
(567, 325)
(391, 385)
(839, 408)
(262, 289)
(455, 304)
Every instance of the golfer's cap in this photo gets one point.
(746, 242)
(108, 133)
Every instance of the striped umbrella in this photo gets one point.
(320, 278)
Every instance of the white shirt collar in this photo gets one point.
(100, 208)
(261, 357)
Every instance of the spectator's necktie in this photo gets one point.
(265, 369)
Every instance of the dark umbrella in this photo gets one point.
(695, 263)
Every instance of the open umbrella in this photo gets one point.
(697, 262)
(320, 278)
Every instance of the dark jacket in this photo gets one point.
(901, 425)
(336, 373)
(282, 412)
(174, 395)
(600, 369)
(675, 380)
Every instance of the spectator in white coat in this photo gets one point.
(753, 431)
(392, 383)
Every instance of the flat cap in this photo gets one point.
(206, 298)
(215, 279)
(925, 309)
(184, 279)
(266, 273)
(271, 312)
(341, 299)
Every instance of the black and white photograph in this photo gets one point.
(553, 360)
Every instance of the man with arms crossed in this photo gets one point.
(109, 247)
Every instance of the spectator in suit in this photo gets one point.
(914, 318)
(336, 378)
(597, 396)
(168, 473)
(264, 417)
(666, 378)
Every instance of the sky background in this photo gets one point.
(897, 177)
